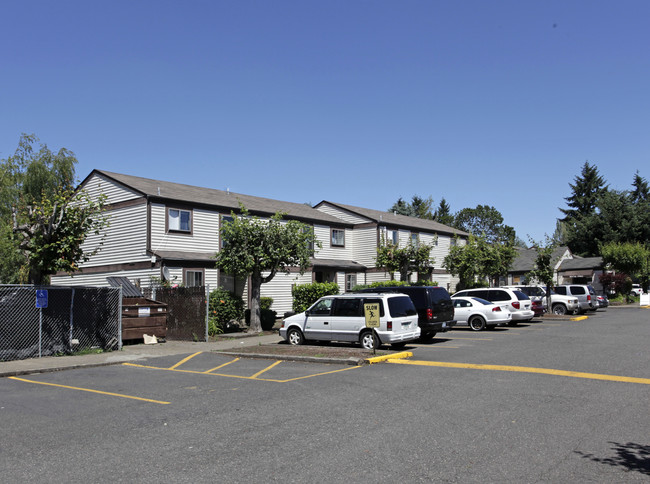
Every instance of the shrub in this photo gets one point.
(266, 302)
(304, 295)
(225, 306)
(267, 318)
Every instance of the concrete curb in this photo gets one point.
(395, 356)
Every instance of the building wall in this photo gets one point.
(342, 214)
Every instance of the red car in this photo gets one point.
(537, 307)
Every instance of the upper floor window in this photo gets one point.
(338, 237)
(310, 243)
(179, 220)
(225, 219)
(415, 240)
(395, 237)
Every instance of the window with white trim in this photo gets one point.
(350, 281)
(193, 278)
(179, 220)
(338, 238)
(225, 219)
(415, 240)
(395, 236)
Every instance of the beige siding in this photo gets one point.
(204, 237)
(280, 290)
(98, 184)
(126, 238)
(365, 246)
(323, 234)
(342, 214)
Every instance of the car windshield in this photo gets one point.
(520, 295)
(481, 300)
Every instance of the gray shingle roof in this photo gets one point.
(396, 220)
(580, 263)
(162, 190)
(525, 260)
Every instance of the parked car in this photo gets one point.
(479, 314)
(434, 306)
(516, 301)
(582, 292)
(342, 318)
(560, 304)
(637, 290)
(603, 301)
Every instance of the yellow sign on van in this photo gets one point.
(372, 315)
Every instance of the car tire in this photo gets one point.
(368, 340)
(295, 337)
(559, 309)
(427, 336)
(476, 323)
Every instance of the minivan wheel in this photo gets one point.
(477, 323)
(294, 337)
(368, 340)
(559, 309)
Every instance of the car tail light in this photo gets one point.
(516, 305)
(282, 324)
(389, 325)
(588, 297)
(496, 309)
(429, 314)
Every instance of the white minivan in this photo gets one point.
(342, 318)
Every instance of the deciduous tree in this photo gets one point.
(261, 248)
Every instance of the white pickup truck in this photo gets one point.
(559, 304)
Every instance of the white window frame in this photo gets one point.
(334, 240)
(175, 220)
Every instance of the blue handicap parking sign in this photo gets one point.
(41, 298)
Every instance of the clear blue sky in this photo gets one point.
(357, 102)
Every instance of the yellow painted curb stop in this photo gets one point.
(579, 318)
(395, 356)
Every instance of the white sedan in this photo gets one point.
(479, 313)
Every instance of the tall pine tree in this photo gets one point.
(587, 190)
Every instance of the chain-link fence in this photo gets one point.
(186, 311)
(46, 321)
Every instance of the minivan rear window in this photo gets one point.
(401, 306)
(521, 296)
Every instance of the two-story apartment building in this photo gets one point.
(169, 230)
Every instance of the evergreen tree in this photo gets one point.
(580, 221)
(443, 213)
(641, 192)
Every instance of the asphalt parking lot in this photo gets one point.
(552, 401)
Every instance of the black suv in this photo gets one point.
(435, 308)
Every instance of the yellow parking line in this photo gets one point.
(237, 376)
(221, 366)
(90, 390)
(266, 369)
(526, 369)
(184, 360)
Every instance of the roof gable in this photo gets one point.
(396, 220)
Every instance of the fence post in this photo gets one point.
(207, 312)
(71, 320)
(119, 319)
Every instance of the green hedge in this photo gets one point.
(304, 295)
(267, 318)
(225, 306)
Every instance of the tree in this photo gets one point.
(405, 260)
(630, 258)
(641, 192)
(262, 248)
(418, 207)
(45, 220)
(543, 270)
(579, 222)
(443, 213)
(485, 221)
(479, 260)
